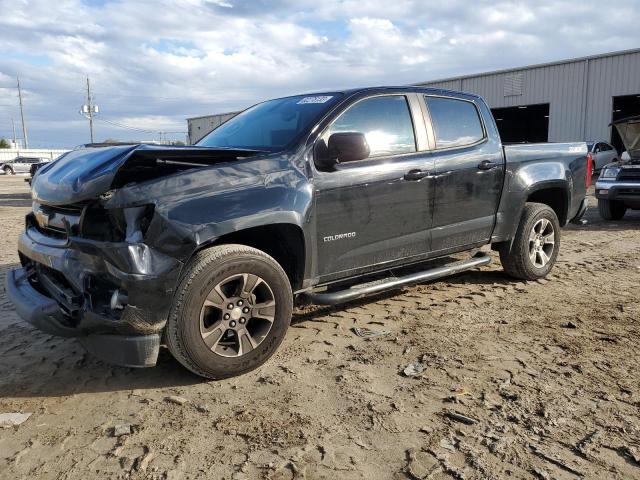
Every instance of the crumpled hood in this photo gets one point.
(85, 173)
(79, 174)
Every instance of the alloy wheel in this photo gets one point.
(541, 243)
(237, 315)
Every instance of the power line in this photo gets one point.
(137, 129)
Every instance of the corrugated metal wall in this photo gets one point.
(579, 92)
(198, 127)
(609, 77)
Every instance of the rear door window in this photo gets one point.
(385, 121)
(456, 123)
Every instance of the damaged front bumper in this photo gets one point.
(113, 296)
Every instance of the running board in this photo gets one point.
(359, 291)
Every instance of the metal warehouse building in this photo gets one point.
(198, 127)
(569, 100)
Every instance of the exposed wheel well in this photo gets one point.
(284, 242)
(554, 197)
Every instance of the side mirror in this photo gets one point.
(348, 147)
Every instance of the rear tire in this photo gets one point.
(535, 246)
(231, 311)
(611, 209)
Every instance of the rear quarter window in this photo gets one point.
(456, 123)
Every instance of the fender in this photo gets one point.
(524, 180)
(195, 208)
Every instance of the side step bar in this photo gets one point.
(359, 291)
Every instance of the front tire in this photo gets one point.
(611, 209)
(231, 311)
(8, 170)
(535, 246)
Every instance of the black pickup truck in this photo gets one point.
(206, 248)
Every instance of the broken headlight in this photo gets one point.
(116, 224)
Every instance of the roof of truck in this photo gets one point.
(391, 88)
(388, 88)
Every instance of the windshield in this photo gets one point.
(630, 134)
(271, 125)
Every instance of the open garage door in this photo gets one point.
(623, 107)
(523, 124)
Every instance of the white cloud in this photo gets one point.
(154, 63)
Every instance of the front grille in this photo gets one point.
(628, 192)
(57, 221)
(629, 175)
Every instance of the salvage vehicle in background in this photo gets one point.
(602, 154)
(312, 197)
(34, 168)
(20, 165)
(618, 187)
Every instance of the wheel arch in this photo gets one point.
(284, 241)
(554, 194)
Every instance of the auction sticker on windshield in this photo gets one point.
(318, 99)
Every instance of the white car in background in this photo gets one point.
(602, 154)
(21, 164)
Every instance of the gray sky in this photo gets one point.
(155, 63)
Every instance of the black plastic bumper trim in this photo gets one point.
(137, 351)
(45, 314)
(40, 311)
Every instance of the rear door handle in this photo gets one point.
(416, 174)
(487, 165)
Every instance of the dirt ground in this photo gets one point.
(545, 375)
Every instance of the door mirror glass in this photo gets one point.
(347, 147)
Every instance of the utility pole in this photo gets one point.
(15, 140)
(24, 126)
(89, 108)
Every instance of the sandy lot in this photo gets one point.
(545, 375)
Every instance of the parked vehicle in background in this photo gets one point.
(20, 165)
(34, 168)
(602, 154)
(618, 187)
(316, 197)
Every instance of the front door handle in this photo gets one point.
(487, 165)
(416, 174)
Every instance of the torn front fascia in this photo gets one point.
(96, 268)
(142, 270)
